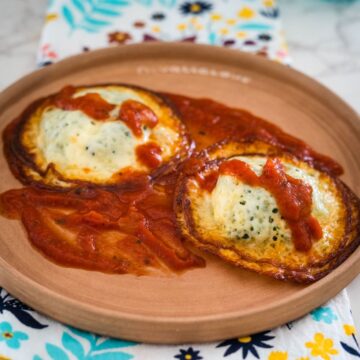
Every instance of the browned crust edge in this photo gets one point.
(312, 273)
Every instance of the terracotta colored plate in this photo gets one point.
(219, 301)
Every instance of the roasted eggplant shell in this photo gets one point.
(313, 269)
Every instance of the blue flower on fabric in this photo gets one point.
(189, 354)
(271, 13)
(11, 338)
(195, 7)
(21, 311)
(81, 345)
(324, 314)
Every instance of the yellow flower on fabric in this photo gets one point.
(246, 13)
(284, 46)
(224, 31)
(51, 17)
(278, 355)
(231, 21)
(269, 3)
(215, 17)
(245, 339)
(349, 329)
(303, 358)
(195, 8)
(155, 29)
(181, 27)
(322, 347)
(241, 34)
(2, 357)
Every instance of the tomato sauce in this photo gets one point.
(135, 115)
(209, 122)
(133, 230)
(149, 154)
(293, 197)
(110, 231)
(91, 104)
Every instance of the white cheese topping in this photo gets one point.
(77, 144)
(245, 212)
(112, 95)
(83, 148)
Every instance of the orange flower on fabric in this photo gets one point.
(241, 34)
(269, 3)
(223, 31)
(349, 329)
(119, 37)
(51, 17)
(215, 17)
(155, 29)
(231, 21)
(322, 347)
(278, 355)
(181, 27)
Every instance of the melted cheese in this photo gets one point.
(240, 211)
(82, 148)
(113, 95)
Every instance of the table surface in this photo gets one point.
(323, 38)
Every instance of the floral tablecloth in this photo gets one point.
(74, 26)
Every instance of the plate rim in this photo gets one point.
(346, 271)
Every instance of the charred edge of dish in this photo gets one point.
(187, 146)
(270, 150)
(350, 240)
(277, 148)
(317, 161)
(17, 158)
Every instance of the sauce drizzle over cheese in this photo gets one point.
(135, 115)
(149, 154)
(293, 196)
(91, 104)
